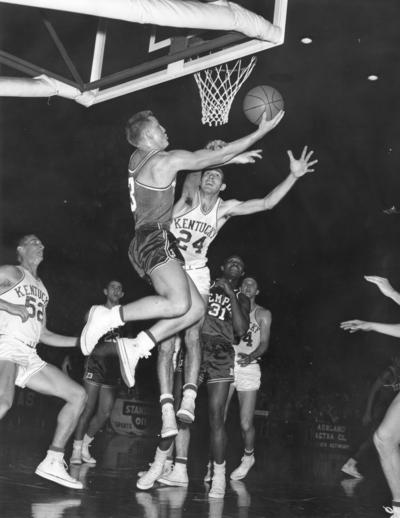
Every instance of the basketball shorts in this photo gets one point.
(201, 279)
(102, 367)
(217, 361)
(153, 247)
(25, 356)
(247, 378)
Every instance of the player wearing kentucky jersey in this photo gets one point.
(23, 301)
(247, 372)
(177, 303)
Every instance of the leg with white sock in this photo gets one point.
(186, 412)
(166, 380)
(217, 396)
(147, 480)
(184, 293)
(92, 390)
(178, 304)
(179, 475)
(51, 381)
(105, 405)
(247, 404)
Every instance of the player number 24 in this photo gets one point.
(186, 237)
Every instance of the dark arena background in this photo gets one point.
(63, 177)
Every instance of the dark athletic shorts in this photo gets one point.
(151, 247)
(102, 366)
(218, 360)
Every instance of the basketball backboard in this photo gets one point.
(119, 57)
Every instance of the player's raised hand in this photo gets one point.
(225, 285)
(248, 157)
(303, 165)
(244, 359)
(267, 125)
(355, 325)
(383, 284)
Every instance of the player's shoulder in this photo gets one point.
(226, 207)
(262, 313)
(10, 274)
(10, 270)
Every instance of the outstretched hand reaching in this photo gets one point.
(303, 165)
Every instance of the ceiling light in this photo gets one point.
(373, 77)
(306, 41)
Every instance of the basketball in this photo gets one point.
(262, 99)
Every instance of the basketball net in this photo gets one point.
(218, 87)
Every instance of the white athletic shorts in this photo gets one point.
(247, 378)
(201, 278)
(25, 356)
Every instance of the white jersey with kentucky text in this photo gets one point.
(251, 340)
(29, 292)
(194, 231)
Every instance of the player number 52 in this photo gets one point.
(35, 309)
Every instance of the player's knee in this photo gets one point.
(200, 309)
(178, 306)
(166, 349)
(5, 405)
(79, 397)
(246, 425)
(382, 439)
(216, 418)
(104, 414)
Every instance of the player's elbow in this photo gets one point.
(241, 329)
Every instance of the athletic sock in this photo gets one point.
(87, 440)
(56, 449)
(190, 390)
(166, 399)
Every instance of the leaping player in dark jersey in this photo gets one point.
(387, 436)
(154, 252)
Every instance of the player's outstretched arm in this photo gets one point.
(55, 340)
(204, 158)
(384, 286)
(361, 325)
(298, 168)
